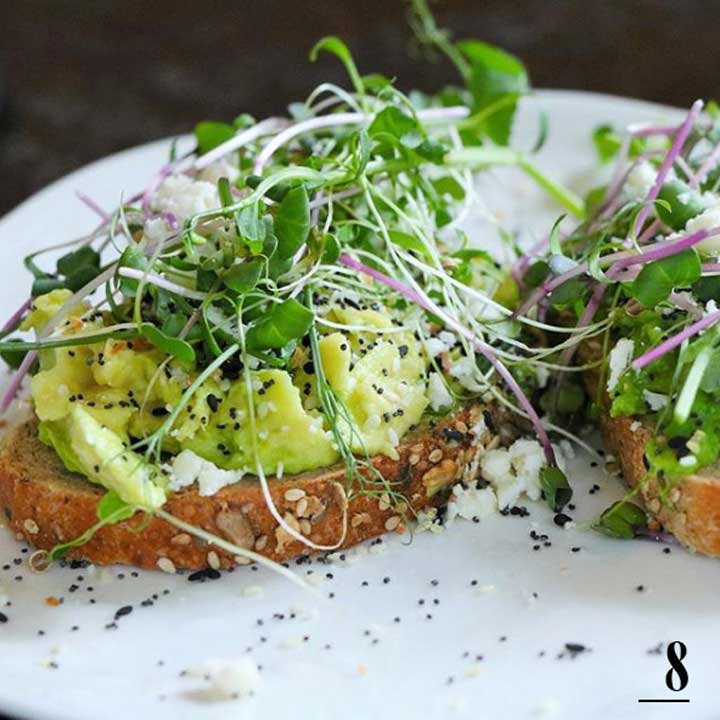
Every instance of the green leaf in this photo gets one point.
(707, 288)
(180, 349)
(292, 222)
(224, 192)
(132, 257)
(607, 143)
(112, 506)
(244, 276)
(251, 227)
(173, 324)
(42, 285)
(286, 321)
(658, 279)
(493, 75)
(536, 274)
(621, 520)
(13, 358)
(565, 296)
(82, 257)
(394, 123)
(432, 150)
(337, 47)
(81, 277)
(554, 484)
(211, 134)
(330, 249)
(683, 203)
(449, 186)
(407, 242)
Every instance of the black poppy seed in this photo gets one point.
(386, 580)
(575, 549)
(3, 617)
(124, 610)
(403, 350)
(666, 551)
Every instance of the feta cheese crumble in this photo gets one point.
(640, 180)
(707, 220)
(438, 393)
(619, 360)
(187, 468)
(183, 197)
(471, 502)
(656, 401)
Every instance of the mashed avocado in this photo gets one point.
(95, 400)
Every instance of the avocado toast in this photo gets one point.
(286, 342)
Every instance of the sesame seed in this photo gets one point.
(166, 565)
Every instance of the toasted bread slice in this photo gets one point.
(46, 505)
(691, 510)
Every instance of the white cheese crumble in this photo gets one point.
(465, 371)
(438, 393)
(619, 360)
(635, 425)
(707, 220)
(688, 460)
(428, 521)
(640, 180)
(656, 401)
(471, 502)
(183, 197)
(511, 472)
(229, 679)
(187, 468)
(515, 471)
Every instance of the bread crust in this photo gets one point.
(690, 510)
(46, 505)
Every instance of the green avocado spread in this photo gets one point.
(94, 401)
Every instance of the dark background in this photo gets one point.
(84, 78)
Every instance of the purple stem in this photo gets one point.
(682, 133)
(711, 267)
(87, 200)
(17, 379)
(16, 316)
(710, 162)
(665, 347)
(478, 344)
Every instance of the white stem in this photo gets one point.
(264, 127)
(161, 282)
(324, 121)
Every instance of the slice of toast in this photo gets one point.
(46, 505)
(690, 510)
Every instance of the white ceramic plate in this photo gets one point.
(404, 647)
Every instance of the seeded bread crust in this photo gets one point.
(690, 511)
(46, 505)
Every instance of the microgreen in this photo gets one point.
(622, 519)
(657, 279)
(555, 487)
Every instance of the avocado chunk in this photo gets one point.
(86, 446)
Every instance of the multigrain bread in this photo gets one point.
(690, 510)
(46, 505)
